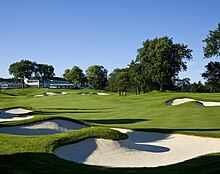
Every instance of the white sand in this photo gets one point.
(16, 118)
(210, 103)
(17, 111)
(142, 149)
(39, 95)
(98, 93)
(9, 114)
(43, 127)
(179, 101)
(185, 100)
(55, 93)
(51, 93)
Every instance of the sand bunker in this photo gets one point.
(98, 93)
(185, 100)
(55, 93)
(43, 127)
(10, 114)
(142, 149)
(94, 93)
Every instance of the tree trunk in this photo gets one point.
(22, 83)
(119, 93)
(212, 89)
(138, 91)
(161, 87)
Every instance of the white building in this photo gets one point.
(54, 82)
(10, 83)
(32, 83)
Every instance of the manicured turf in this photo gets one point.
(145, 112)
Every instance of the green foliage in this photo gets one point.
(97, 76)
(212, 75)
(197, 87)
(123, 81)
(75, 75)
(183, 84)
(162, 59)
(140, 77)
(112, 81)
(27, 69)
(44, 71)
(212, 41)
(120, 80)
(22, 69)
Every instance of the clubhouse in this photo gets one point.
(54, 82)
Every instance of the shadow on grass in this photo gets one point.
(116, 121)
(28, 163)
(51, 111)
(64, 112)
(9, 94)
(77, 109)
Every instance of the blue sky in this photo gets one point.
(67, 33)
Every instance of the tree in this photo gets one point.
(44, 71)
(212, 41)
(21, 70)
(97, 76)
(212, 74)
(183, 84)
(197, 87)
(75, 75)
(140, 77)
(123, 81)
(163, 59)
(112, 81)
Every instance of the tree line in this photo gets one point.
(156, 67)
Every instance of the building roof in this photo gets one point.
(9, 80)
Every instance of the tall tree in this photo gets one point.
(44, 71)
(112, 81)
(212, 75)
(140, 77)
(163, 59)
(21, 70)
(75, 75)
(212, 41)
(123, 81)
(97, 76)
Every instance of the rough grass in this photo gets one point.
(25, 154)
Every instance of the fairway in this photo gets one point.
(145, 112)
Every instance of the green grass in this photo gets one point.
(144, 112)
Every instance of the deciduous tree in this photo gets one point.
(21, 70)
(212, 75)
(97, 76)
(212, 41)
(44, 71)
(75, 75)
(163, 59)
